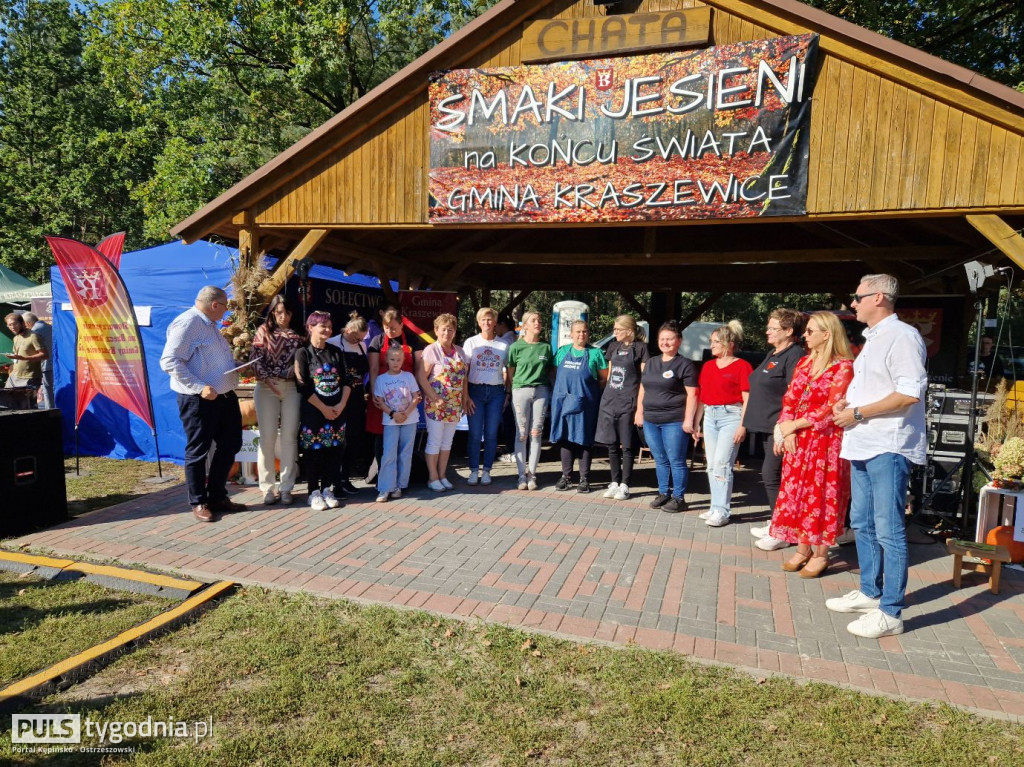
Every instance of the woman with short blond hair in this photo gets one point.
(443, 380)
(488, 393)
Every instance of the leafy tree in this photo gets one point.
(68, 155)
(984, 35)
(229, 85)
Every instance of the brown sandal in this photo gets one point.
(794, 564)
(812, 571)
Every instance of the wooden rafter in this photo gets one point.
(1002, 235)
(273, 284)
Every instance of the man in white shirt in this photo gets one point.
(201, 366)
(883, 415)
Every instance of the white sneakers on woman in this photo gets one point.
(613, 488)
(316, 501)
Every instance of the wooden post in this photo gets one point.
(248, 238)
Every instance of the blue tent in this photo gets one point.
(165, 279)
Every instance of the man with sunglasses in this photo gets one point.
(883, 418)
(197, 358)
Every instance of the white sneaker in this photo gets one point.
(717, 518)
(286, 497)
(436, 486)
(704, 514)
(847, 537)
(329, 499)
(473, 478)
(485, 478)
(852, 602)
(622, 494)
(522, 484)
(396, 493)
(383, 498)
(875, 624)
(531, 483)
(767, 543)
(760, 532)
(270, 498)
(613, 488)
(316, 501)
(446, 483)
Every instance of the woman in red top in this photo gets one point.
(724, 387)
(815, 486)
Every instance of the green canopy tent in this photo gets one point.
(16, 292)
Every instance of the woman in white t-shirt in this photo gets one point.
(489, 393)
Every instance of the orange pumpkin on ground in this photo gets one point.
(1003, 536)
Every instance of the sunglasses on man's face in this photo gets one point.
(858, 297)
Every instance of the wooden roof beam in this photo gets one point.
(707, 258)
(1002, 235)
(273, 284)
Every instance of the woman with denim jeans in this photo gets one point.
(666, 409)
(530, 363)
(488, 393)
(724, 389)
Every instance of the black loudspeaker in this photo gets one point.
(32, 489)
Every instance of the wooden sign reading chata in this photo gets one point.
(596, 36)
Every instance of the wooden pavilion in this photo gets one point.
(913, 166)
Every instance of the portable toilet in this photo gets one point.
(563, 314)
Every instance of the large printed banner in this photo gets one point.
(109, 354)
(716, 133)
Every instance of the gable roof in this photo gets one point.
(840, 38)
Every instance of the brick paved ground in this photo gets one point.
(585, 567)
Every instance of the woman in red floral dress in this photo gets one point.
(815, 486)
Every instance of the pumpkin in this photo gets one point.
(1003, 536)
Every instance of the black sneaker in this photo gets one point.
(660, 501)
(674, 505)
(563, 483)
(583, 486)
(348, 487)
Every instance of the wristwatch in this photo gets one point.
(857, 415)
(392, 415)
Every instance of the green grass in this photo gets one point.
(298, 680)
(108, 481)
(42, 623)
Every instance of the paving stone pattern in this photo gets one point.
(589, 568)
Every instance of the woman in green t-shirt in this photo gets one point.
(529, 370)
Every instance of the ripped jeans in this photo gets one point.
(720, 425)
(530, 406)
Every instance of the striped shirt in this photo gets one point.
(197, 355)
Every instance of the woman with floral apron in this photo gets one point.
(443, 377)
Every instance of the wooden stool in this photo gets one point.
(960, 549)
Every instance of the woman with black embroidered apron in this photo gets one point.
(320, 372)
(626, 357)
(580, 371)
(357, 368)
(412, 345)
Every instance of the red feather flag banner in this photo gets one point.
(110, 358)
(111, 247)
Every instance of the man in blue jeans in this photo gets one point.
(883, 415)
